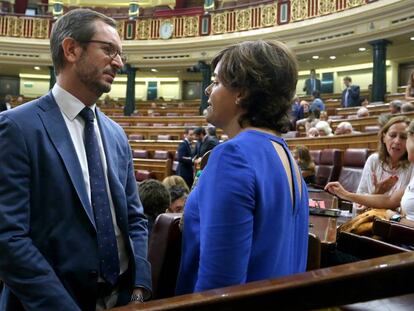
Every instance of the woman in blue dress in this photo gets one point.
(247, 218)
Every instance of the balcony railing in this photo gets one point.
(251, 16)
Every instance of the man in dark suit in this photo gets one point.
(350, 96)
(185, 158)
(5, 104)
(73, 234)
(312, 84)
(209, 141)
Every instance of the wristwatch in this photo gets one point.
(137, 297)
(395, 217)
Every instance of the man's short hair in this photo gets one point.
(199, 130)
(211, 130)
(348, 78)
(78, 24)
(177, 192)
(154, 196)
(362, 112)
(407, 107)
(396, 103)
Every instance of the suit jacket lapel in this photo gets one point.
(55, 126)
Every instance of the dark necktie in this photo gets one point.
(107, 247)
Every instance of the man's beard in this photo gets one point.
(89, 75)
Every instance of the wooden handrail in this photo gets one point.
(350, 283)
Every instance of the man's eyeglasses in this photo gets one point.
(109, 49)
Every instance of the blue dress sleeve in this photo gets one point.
(226, 207)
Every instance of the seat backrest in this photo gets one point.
(353, 165)
(316, 156)
(394, 233)
(161, 154)
(141, 175)
(329, 166)
(364, 247)
(164, 254)
(139, 153)
(290, 134)
(372, 128)
(314, 252)
(164, 137)
(136, 137)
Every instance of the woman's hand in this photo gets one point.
(337, 189)
(385, 185)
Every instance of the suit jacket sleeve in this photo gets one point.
(138, 230)
(354, 92)
(226, 228)
(22, 267)
(305, 87)
(183, 152)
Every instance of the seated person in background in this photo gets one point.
(344, 128)
(5, 104)
(296, 112)
(409, 91)
(19, 100)
(407, 107)
(362, 112)
(388, 170)
(175, 180)
(305, 162)
(310, 121)
(402, 196)
(312, 132)
(317, 102)
(155, 199)
(323, 128)
(323, 116)
(178, 196)
(395, 106)
(384, 118)
(237, 228)
(364, 101)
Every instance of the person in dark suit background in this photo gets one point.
(5, 104)
(209, 141)
(185, 158)
(312, 83)
(350, 96)
(73, 233)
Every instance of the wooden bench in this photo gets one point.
(160, 168)
(374, 110)
(179, 121)
(360, 123)
(345, 284)
(343, 142)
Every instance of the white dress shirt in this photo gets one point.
(70, 107)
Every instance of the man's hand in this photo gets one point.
(137, 296)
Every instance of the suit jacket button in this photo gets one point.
(93, 274)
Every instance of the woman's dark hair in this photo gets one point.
(266, 74)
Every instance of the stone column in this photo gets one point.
(379, 72)
(130, 90)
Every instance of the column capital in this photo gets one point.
(380, 42)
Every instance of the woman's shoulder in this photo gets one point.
(373, 158)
